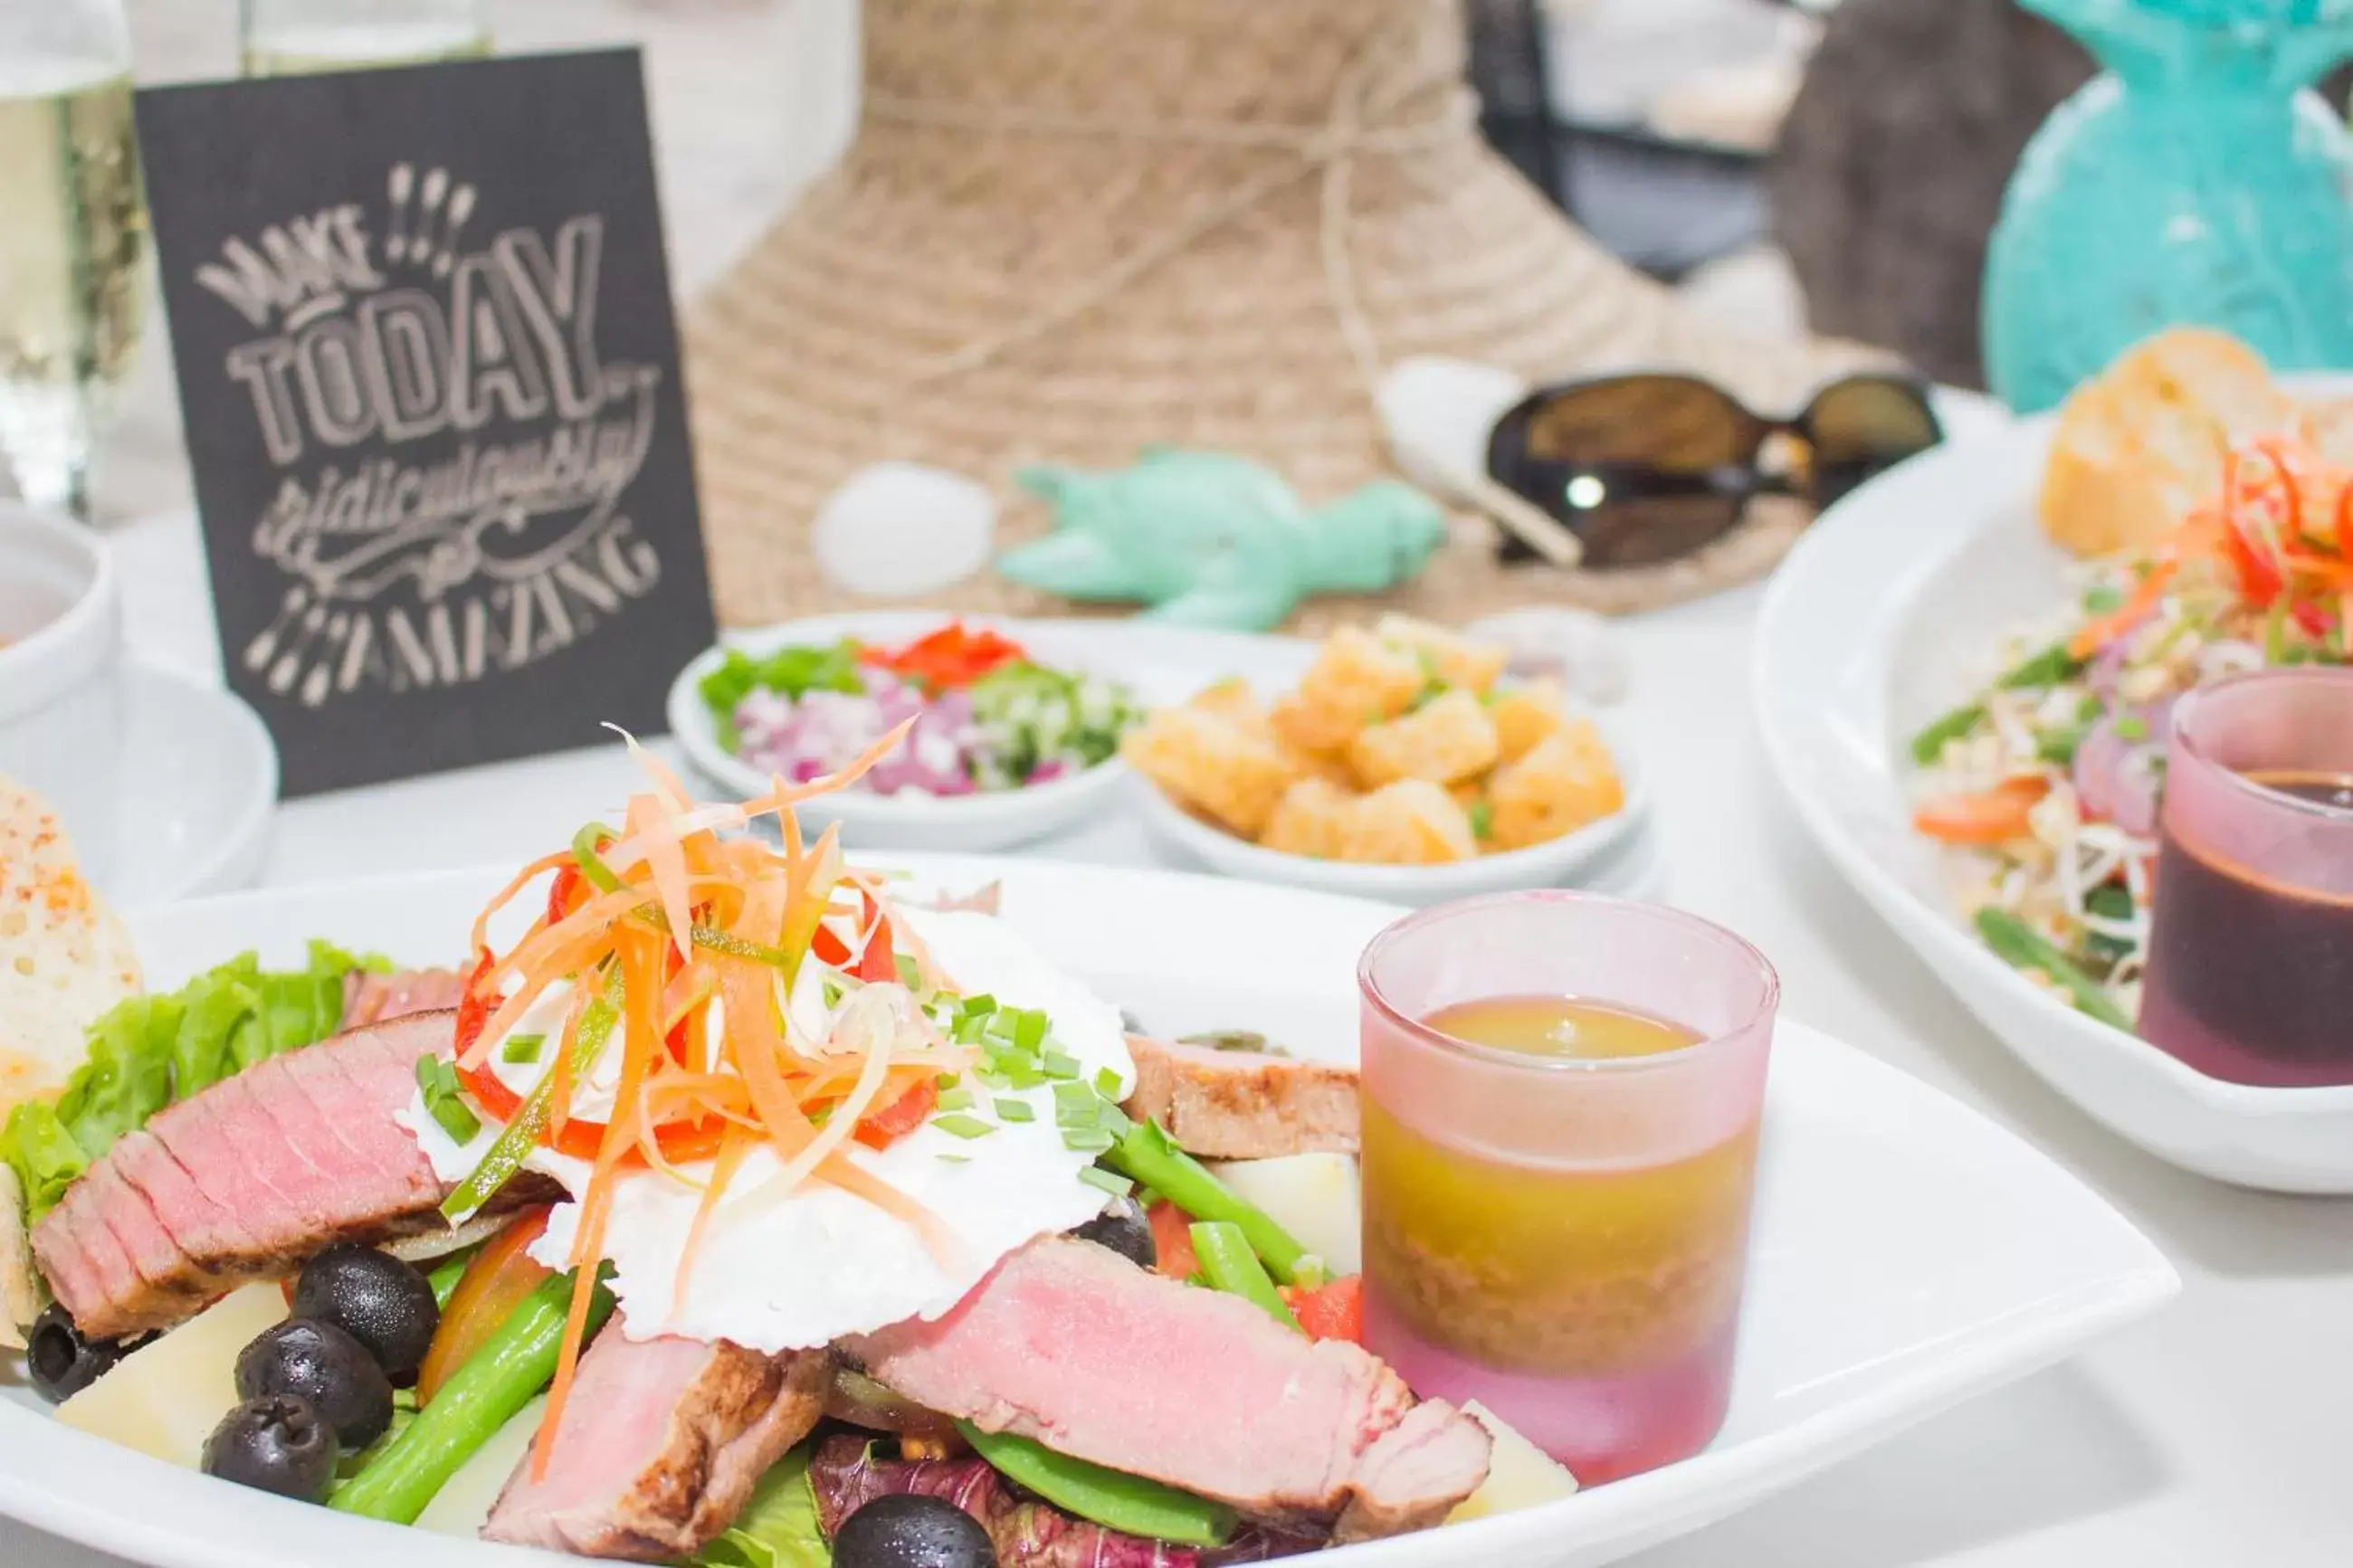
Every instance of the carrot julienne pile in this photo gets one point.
(685, 946)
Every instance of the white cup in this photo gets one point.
(61, 683)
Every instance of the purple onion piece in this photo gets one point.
(2116, 779)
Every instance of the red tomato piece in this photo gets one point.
(1172, 1241)
(1330, 1312)
(880, 1129)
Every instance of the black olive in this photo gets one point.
(1123, 1228)
(61, 1361)
(906, 1529)
(377, 1300)
(319, 1364)
(279, 1444)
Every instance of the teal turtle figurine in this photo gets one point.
(1213, 541)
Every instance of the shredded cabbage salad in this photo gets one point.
(985, 716)
(2045, 785)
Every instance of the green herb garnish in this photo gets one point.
(522, 1050)
(961, 1126)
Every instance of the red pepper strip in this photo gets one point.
(1330, 1311)
(902, 1116)
(475, 1004)
(877, 962)
(951, 657)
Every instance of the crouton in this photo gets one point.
(1356, 680)
(1311, 819)
(1412, 821)
(1524, 715)
(1448, 739)
(1233, 701)
(1564, 782)
(1454, 659)
(1211, 764)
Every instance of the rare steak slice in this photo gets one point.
(1242, 1105)
(245, 1180)
(1072, 1345)
(660, 1445)
(370, 997)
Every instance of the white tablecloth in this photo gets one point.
(2216, 1435)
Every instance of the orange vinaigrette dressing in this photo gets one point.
(1605, 1297)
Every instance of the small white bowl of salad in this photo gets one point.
(1014, 738)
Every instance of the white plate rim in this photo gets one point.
(1732, 1479)
(1785, 601)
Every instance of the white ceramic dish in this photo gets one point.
(1908, 1253)
(1572, 860)
(993, 820)
(1875, 624)
(166, 784)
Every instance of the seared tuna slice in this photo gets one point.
(847, 1473)
(1072, 1345)
(246, 1179)
(373, 998)
(1242, 1105)
(662, 1442)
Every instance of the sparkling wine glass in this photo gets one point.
(73, 239)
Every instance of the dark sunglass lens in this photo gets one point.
(1860, 427)
(1666, 422)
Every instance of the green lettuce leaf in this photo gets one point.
(779, 1527)
(149, 1051)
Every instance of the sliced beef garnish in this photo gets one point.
(847, 1473)
(1072, 1345)
(246, 1179)
(373, 998)
(660, 1445)
(1242, 1105)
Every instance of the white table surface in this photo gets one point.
(2216, 1434)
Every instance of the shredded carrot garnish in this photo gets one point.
(706, 935)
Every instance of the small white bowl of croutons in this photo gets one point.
(1405, 765)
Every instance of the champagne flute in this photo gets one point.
(294, 37)
(73, 239)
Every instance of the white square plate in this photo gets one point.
(1908, 1253)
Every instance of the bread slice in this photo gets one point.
(65, 958)
(2141, 444)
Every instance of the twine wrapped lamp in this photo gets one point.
(1070, 229)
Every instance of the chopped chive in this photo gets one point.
(1014, 1110)
(2132, 727)
(1022, 1074)
(1482, 817)
(1074, 1105)
(962, 1126)
(460, 1123)
(1112, 1119)
(832, 995)
(521, 1047)
(978, 1006)
(911, 974)
(1089, 1141)
(1112, 1182)
(956, 1098)
(989, 1078)
(1107, 1083)
(1063, 1065)
(1030, 1029)
(955, 1159)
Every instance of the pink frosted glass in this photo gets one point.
(1554, 1117)
(2254, 986)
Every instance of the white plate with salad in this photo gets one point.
(1016, 724)
(1970, 722)
(1907, 1253)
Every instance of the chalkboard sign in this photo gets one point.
(430, 378)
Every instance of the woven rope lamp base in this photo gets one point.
(1070, 229)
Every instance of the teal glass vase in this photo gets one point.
(2197, 180)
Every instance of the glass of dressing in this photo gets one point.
(296, 37)
(1561, 1100)
(2250, 974)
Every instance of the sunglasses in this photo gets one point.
(1645, 468)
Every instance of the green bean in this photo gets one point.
(1150, 1158)
(447, 1271)
(2020, 946)
(1929, 743)
(507, 1373)
(1111, 1499)
(521, 1135)
(2049, 668)
(1229, 1265)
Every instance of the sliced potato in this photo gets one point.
(1316, 1197)
(165, 1398)
(1519, 1474)
(463, 1507)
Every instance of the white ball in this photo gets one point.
(900, 529)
